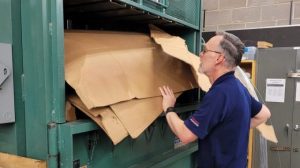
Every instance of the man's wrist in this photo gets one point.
(169, 109)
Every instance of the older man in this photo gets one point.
(227, 111)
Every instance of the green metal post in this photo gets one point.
(52, 146)
(57, 49)
(42, 39)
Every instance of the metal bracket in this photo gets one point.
(92, 142)
(4, 73)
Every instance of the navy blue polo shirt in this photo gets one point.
(222, 124)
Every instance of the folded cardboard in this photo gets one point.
(117, 82)
(142, 112)
(102, 74)
(105, 118)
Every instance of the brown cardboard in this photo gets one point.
(70, 112)
(264, 44)
(105, 118)
(138, 114)
(107, 74)
(142, 113)
(267, 131)
(117, 75)
(14, 161)
(176, 47)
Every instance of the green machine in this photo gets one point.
(34, 32)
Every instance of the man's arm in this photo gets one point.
(175, 123)
(262, 116)
(179, 128)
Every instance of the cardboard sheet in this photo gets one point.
(70, 112)
(105, 118)
(142, 113)
(106, 69)
(267, 131)
(176, 47)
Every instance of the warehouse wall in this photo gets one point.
(241, 14)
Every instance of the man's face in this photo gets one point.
(209, 55)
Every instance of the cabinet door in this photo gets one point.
(296, 117)
(275, 64)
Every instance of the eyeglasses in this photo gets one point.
(205, 50)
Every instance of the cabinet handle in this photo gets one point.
(287, 126)
(280, 148)
(293, 74)
(297, 127)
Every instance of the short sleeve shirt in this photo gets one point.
(222, 124)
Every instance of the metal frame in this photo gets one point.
(163, 14)
(66, 132)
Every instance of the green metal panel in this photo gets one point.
(5, 22)
(43, 71)
(36, 80)
(12, 136)
(186, 10)
(80, 144)
(18, 72)
(57, 56)
(188, 18)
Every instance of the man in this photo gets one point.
(227, 111)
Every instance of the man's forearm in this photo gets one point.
(254, 123)
(261, 117)
(175, 123)
(179, 129)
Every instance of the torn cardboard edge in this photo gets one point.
(176, 47)
(114, 119)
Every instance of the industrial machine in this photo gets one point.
(32, 84)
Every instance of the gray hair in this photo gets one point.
(233, 47)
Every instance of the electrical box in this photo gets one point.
(7, 110)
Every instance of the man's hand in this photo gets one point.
(169, 98)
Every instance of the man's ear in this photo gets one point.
(221, 58)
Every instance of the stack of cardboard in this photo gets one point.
(116, 76)
(264, 44)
